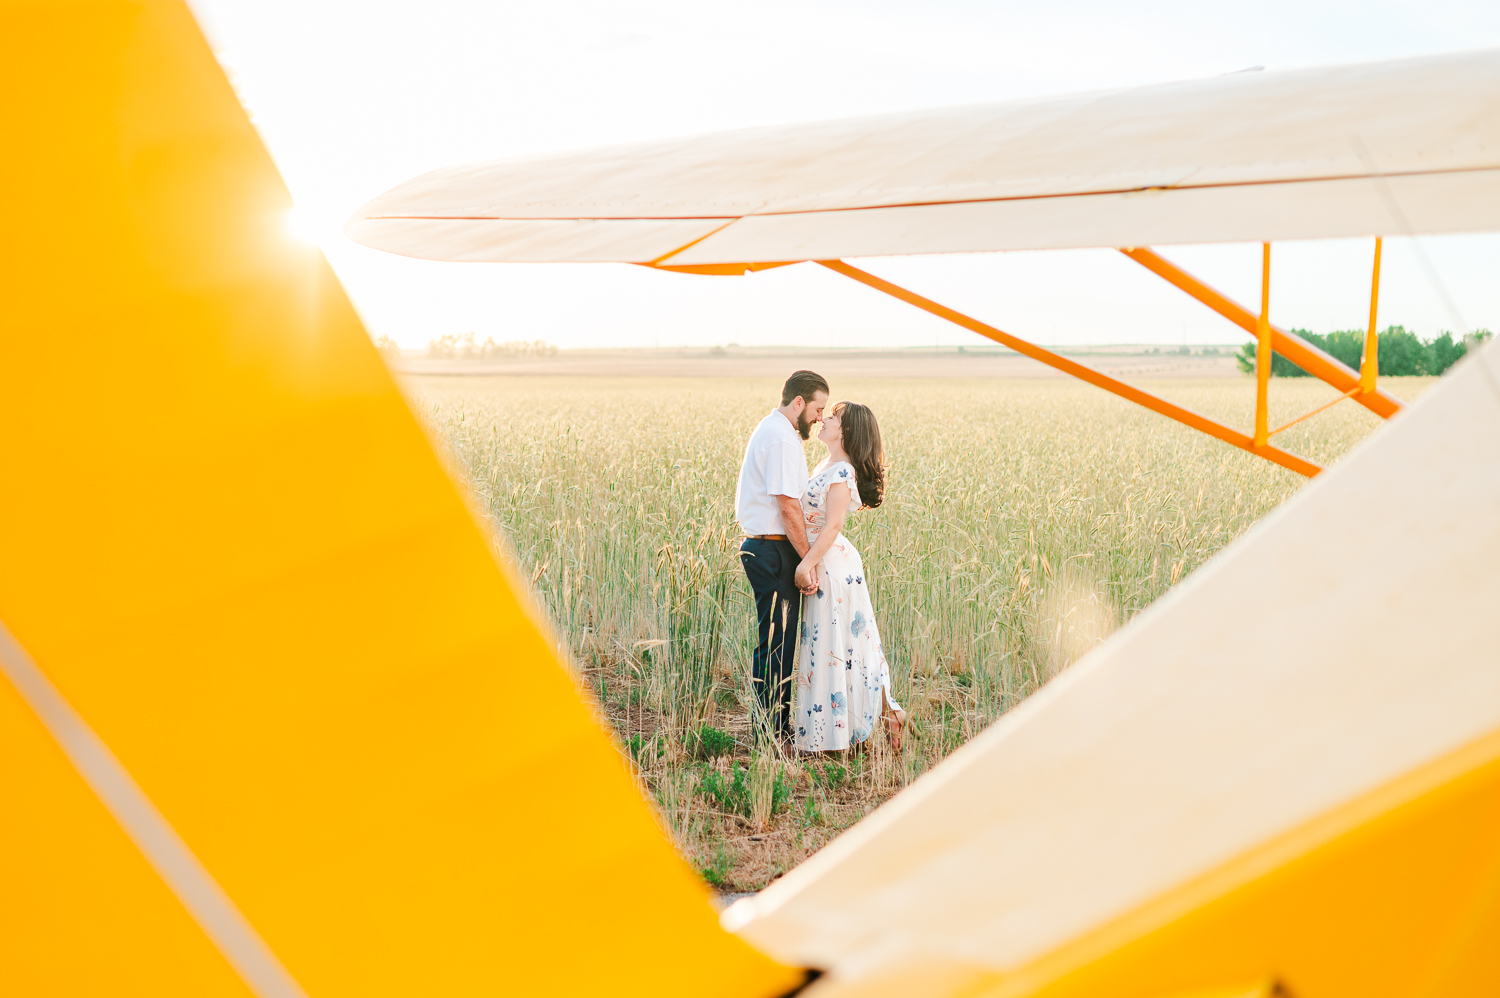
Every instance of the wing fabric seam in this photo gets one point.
(929, 204)
(184, 874)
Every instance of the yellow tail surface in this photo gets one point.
(226, 542)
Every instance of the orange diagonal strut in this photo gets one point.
(1293, 348)
(1120, 388)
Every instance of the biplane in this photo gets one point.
(257, 653)
(1400, 148)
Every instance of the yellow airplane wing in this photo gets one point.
(273, 721)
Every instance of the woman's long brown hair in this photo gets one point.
(866, 452)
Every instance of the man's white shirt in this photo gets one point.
(774, 466)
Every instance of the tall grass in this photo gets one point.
(1025, 521)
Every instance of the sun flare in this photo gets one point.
(300, 227)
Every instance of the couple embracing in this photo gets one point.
(816, 625)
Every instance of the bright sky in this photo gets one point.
(354, 98)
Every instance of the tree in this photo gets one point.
(1347, 346)
(1280, 366)
(1402, 353)
(1443, 353)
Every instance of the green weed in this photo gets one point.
(716, 871)
(708, 742)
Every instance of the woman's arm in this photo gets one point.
(791, 522)
(835, 509)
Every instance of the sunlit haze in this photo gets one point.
(354, 98)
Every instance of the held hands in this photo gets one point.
(807, 577)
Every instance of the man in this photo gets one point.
(768, 505)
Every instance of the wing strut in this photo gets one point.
(1370, 369)
(1263, 350)
(1120, 388)
(1293, 348)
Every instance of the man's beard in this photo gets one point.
(803, 426)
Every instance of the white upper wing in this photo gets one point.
(1398, 147)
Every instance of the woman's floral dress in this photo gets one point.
(842, 674)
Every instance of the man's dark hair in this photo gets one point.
(803, 383)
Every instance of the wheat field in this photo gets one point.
(1025, 521)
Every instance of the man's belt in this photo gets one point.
(765, 537)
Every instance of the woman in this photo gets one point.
(843, 681)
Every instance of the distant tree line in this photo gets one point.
(1185, 351)
(1402, 352)
(454, 346)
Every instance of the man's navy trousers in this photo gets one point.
(771, 567)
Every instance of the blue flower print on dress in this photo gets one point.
(843, 678)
